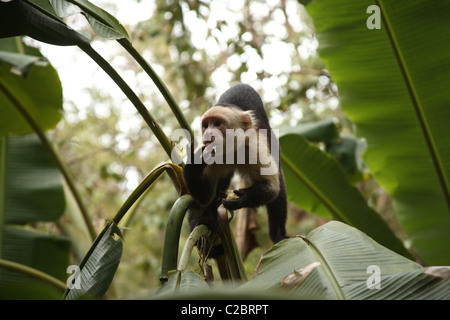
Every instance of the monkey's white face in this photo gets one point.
(212, 128)
(218, 119)
(230, 136)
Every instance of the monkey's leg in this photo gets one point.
(277, 214)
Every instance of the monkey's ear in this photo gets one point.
(247, 122)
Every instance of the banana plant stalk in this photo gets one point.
(195, 235)
(234, 261)
(172, 236)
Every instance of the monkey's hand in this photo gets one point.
(197, 184)
(196, 157)
(235, 204)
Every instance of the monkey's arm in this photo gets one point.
(260, 193)
(264, 193)
(197, 183)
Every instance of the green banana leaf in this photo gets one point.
(393, 84)
(30, 81)
(345, 147)
(103, 24)
(318, 131)
(183, 281)
(335, 261)
(317, 183)
(30, 191)
(32, 184)
(21, 63)
(19, 18)
(96, 272)
(44, 252)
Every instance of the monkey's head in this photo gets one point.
(218, 119)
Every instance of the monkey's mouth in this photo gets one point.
(210, 148)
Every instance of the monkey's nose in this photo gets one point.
(207, 142)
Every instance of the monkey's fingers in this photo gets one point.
(239, 192)
(232, 204)
(231, 195)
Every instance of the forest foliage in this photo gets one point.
(85, 179)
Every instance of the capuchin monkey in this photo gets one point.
(236, 137)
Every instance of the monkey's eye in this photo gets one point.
(205, 125)
(217, 123)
